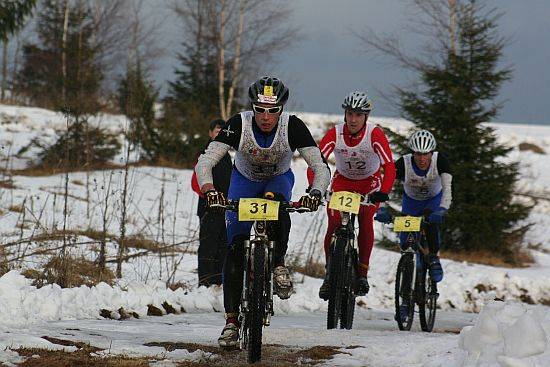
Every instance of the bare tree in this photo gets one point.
(434, 19)
(242, 32)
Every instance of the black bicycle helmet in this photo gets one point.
(268, 90)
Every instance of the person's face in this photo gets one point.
(215, 132)
(266, 115)
(422, 160)
(355, 121)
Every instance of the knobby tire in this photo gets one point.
(336, 281)
(404, 289)
(256, 303)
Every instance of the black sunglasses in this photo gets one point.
(270, 110)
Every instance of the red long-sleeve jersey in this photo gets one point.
(380, 146)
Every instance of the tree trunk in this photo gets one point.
(64, 51)
(236, 62)
(221, 62)
(14, 91)
(4, 69)
(452, 25)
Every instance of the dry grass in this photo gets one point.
(69, 272)
(519, 258)
(7, 184)
(312, 269)
(81, 357)
(41, 171)
(531, 147)
(16, 208)
(272, 355)
(142, 243)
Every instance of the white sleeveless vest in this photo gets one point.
(260, 164)
(421, 187)
(358, 162)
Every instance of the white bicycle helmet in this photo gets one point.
(422, 141)
(357, 102)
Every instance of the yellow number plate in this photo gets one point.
(258, 209)
(407, 224)
(345, 201)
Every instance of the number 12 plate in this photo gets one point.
(345, 201)
(258, 209)
(407, 224)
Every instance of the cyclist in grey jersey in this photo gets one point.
(264, 140)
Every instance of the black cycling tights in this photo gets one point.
(234, 261)
(434, 238)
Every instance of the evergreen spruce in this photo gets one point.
(137, 97)
(454, 103)
(12, 16)
(41, 76)
(192, 100)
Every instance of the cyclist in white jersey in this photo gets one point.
(264, 139)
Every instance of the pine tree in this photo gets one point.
(12, 18)
(43, 79)
(192, 99)
(453, 103)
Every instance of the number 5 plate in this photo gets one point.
(345, 201)
(258, 209)
(407, 224)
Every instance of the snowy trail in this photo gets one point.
(374, 340)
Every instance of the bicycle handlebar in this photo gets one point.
(288, 206)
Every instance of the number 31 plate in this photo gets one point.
(258, 209)
(345, 201)
(407, 224)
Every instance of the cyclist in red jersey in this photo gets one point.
(361, 151)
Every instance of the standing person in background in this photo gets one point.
(212, 233)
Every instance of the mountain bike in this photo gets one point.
(256, 306)
(343, 261)
(412, 283)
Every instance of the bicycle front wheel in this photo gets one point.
(348, 298)
(256, 303)
(427, 304)
(404, 302)
(336, 281)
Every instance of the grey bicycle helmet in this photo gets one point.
(422, 141)
(357, 102)
(268, 90)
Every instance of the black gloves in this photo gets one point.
(311, 201)
(215, 197)
(379, 197)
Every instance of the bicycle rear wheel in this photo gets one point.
(348, 299)
(336, 279)
(403, 291)
(427, 304)
(256, 303)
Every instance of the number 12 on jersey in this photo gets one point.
(345, 201)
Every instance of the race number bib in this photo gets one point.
(258, 209)
(345, 201)
(407, 224)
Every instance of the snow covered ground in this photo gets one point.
(161, 208)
